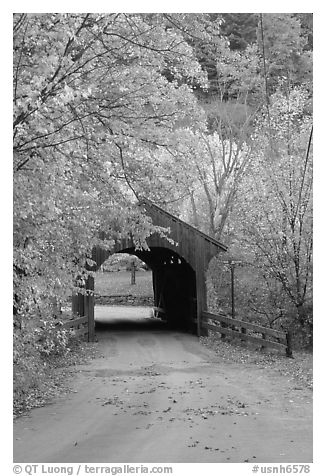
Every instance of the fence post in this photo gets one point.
(289, 344)
(133, 273)
(223, 324)
(90, 308)
(91, 324)
(263, 336)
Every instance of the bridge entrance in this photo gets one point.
(178, 268)
(174, 286)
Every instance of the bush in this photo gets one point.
(34, 349)
(28, 368)
(259, 299)
(51, 339)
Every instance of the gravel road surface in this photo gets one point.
(158, 395)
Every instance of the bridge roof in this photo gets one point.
(194, 246)
(159, 215)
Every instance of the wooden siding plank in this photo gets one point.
(200, 283)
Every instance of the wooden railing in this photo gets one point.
(236, 328)
(79, 326)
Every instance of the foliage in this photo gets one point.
(51, 339)
(90, 98)
(93, 95)
(210, 164)
(215, 167)
(36, 344)
(202, 174)
(259, 119)
(306, 22)
(240, 29)
(283, 46)
(39, 378)
(122, 261)
(203, 33)
(28, 368)
(274, 216)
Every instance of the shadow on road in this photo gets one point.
(127, 325)
(130, 318)
(126, 319)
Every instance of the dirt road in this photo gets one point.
(159, 396)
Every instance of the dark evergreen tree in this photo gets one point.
(240, 29)
(306, 20)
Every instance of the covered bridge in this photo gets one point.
(178, 269)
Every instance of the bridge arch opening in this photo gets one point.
(174, 286)
(173, 283)
(123, 279)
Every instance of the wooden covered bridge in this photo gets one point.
(178, 270)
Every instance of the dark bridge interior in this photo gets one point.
(174, 285)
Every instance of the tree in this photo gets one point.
(275, 212)
(94, 96)
(91, 96)
(306, 21)
(287, 62)
(215, 169)
(240, 29)
(203, 33)
(214, 161)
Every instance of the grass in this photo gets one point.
(119, 284)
